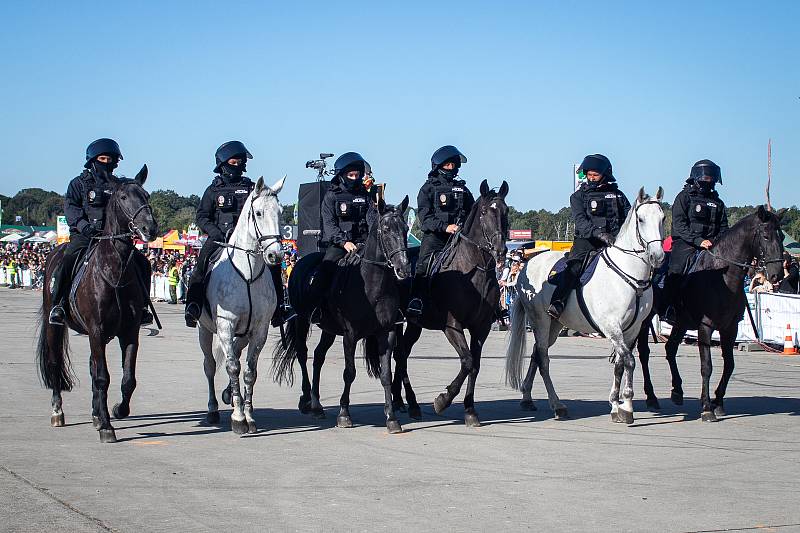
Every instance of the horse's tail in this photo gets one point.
(516, 344)
(372, 357)
(55, 368)
(285, 352)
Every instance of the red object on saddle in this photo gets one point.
(667, 244)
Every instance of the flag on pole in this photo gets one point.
(769, 172)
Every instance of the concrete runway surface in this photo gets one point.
(520, 471)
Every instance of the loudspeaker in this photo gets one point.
(309, 220)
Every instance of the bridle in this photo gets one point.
(387, 255)
(761, 260)
(642, 242)
(133, 229)
(261, 238)
(487, 246)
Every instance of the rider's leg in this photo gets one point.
(431, 243)
(678, 261)
(62, 277)
(570, 277)
(276, 271)
(323, 278)
(194, 291)
(145, 273)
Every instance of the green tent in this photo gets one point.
(791, 245)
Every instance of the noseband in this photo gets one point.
(487, 245)
(387, 262)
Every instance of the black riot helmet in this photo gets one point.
(705, 167)
(598, 163)
(351, 161)
(100, 147)
(230, 150)
(445, 154)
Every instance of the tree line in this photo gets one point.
(38, 207)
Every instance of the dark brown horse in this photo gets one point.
(108, 303)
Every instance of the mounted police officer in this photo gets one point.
(348, 211)
(443, 203)
(85, 209)
(698, 220)
(217, 215)
(599, 209)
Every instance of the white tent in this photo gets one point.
(12, 237)
(36, 239)
(51, 236)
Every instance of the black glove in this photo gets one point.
(606, 238)
(89, 231)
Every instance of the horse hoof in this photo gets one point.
(415, 412)
(304, 405)
(561, 413)
(252, 428)
(239, 426)
(107, 436)
(393, 426)
(615, 417)
(344, 422)
(212, 417)
(527, 405)
(718, 411)
(226, 396)
(399, 407)
(626, 417)
(440, 404)
(57, 421)
(471, 420)
(708, 416)
(96, 422)
(677, 398)
(121, 411)
(318, 413)
(652, 404)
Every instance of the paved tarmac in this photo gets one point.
(520, 471)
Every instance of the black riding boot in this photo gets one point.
(558, 301)
(415, 305)
(194, 303)
(279, 316)
(319, 286)
(57, 313)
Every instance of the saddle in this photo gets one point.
(587, 269)
(77, 275)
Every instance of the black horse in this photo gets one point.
(362, 303)
(463, 295)
(712, 298)
(109, 301)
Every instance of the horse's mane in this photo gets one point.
(632, 211)
(474, 211)
(730, 242)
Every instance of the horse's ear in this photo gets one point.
(278, 185)
(381, 206)
(660, 194)
(503, 190)
(781, 212)
(259, 186)
(141, 177)
(641, 196)
(484, 188)
(763, 214)
(403, 206)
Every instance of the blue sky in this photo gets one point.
(525, 89)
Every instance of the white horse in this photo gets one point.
(618, 298)
(241, 298)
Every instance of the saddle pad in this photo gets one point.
(561, 266)
(691, 264)
(300, 283)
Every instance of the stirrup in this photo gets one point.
(56, 317)
(555, 310)
(191, 315)
(415, 307)
(147, 318)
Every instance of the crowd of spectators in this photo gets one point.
(18, 259)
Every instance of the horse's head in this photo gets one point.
(768, 242)
(647, 216)
(392, 233)
(491, 212)
(129, 208)
(264, 220)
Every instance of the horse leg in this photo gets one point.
(476, 340)
(233, 365)
(457, 339)
(57, 417)
(210, 368)
(254, 348)
(542, 356)
(349, 375)
(643, 348)
(326, 340)
(385, 344)
(613, 397)
(409, 338)
(527, 384)
(704, 345)
(624, 365)
(671, 347)
(727, 340)
(100, 380)
(301, 327)
(129, 345)
(54, 358)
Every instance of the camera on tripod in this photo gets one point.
(319, 164)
